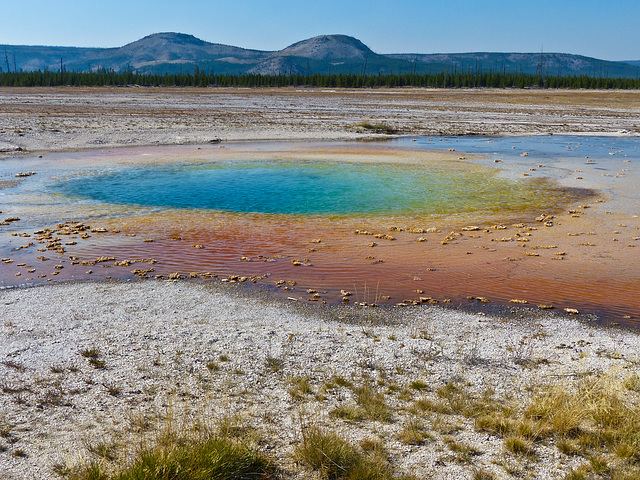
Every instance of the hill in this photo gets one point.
(172, 53)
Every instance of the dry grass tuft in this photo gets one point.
(335, 458)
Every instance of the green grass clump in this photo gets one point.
(175, 458)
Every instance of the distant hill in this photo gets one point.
(172, 53)
(555, 64)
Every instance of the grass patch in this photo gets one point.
(299, 387)
(106, 451)
(341, 381)
(335, 458)
(414, 432)
(418, 385)
(381, 128)
(97, 363)
(90, 352)
(462, 451)
(597, 419)
(519, 446)
(349, 412)
(178, 457)
(93, 354)
(372, 403)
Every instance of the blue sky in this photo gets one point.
(603, 29)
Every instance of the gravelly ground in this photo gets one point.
(157, 338)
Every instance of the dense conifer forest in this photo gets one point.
(202, 79)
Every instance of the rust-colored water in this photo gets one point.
(587, 260)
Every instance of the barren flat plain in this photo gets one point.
(93, 370)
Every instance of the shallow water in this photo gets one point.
(312, 188)
(191, 209)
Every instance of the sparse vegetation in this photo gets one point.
(381, 128)
(373, 403)
(414, 432)
(113, 389)
(335, 458)
(363, 415)
(419, 385)
(15, 365)
(93, 354)
(299, 387)
(213, 366)
(274, 364)
(90, 352)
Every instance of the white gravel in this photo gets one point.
(157, 337)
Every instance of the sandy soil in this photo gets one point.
(157, 338)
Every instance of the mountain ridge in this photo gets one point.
(171, 52)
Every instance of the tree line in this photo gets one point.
(202, 79)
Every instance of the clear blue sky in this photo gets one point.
(597, 28)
